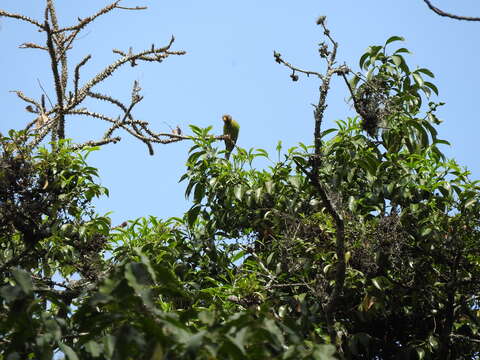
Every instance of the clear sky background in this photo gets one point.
(229, 68)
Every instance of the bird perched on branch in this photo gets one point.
(230, 128)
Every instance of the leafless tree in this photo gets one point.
(71, 90)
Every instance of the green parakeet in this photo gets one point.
(230, 128)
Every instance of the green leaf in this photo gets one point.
(394, 38)
(374, 50)
(402, 50)
(418, 79)
(279, 146)
(258, 195)
(199, 192)
(352, 204)
(207, 317)
(326, 132)
(192, 159)
(362, 60)
(353, 84)
(262, 152)
(431, 86)
(138, 278)
(420, 353)
(381, 283)
(68, 351)
(93, 348)
(196, 130)
(238, 192)
(425, 71)
(295, 181)
(238, 256)
(432, 340)
(425, 231)
(269, 187)
(274, 330)
(11, 293)
(194, 342)
(469, 203)
(397, 59)
(23, 279)
(369, 74)
(192, 214)
(239, 339)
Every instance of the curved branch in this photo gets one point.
(452, 16)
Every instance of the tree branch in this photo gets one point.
(23, 18)
(452, 16)
(339, 250)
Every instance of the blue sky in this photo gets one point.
(229, 68)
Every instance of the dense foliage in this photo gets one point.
(263, 265)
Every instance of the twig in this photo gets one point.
(278, 59)
(32, 46)
(22, 17)
(46, 95)
(25, 98)
(445, 14)
(76, 78)
(161, 53)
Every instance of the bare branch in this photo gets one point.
(77, 74)
(91, 114)
(21, 17)
(84, 22)
(60, 52)
(42, 132)
(32, 46)
(278, 59)
(109, 99)
(330, 57)
(25, 98)
(445, 14)
(53, 14)
(97, 143)
(58, 84)
(58, 42)
(133, 8)
(159, 55)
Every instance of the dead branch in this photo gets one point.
(32, 46)
(278, 59)
(21, 17)
(84, 22)
(452, 16)
(319, 111)
(59, 40)
(320, 107)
